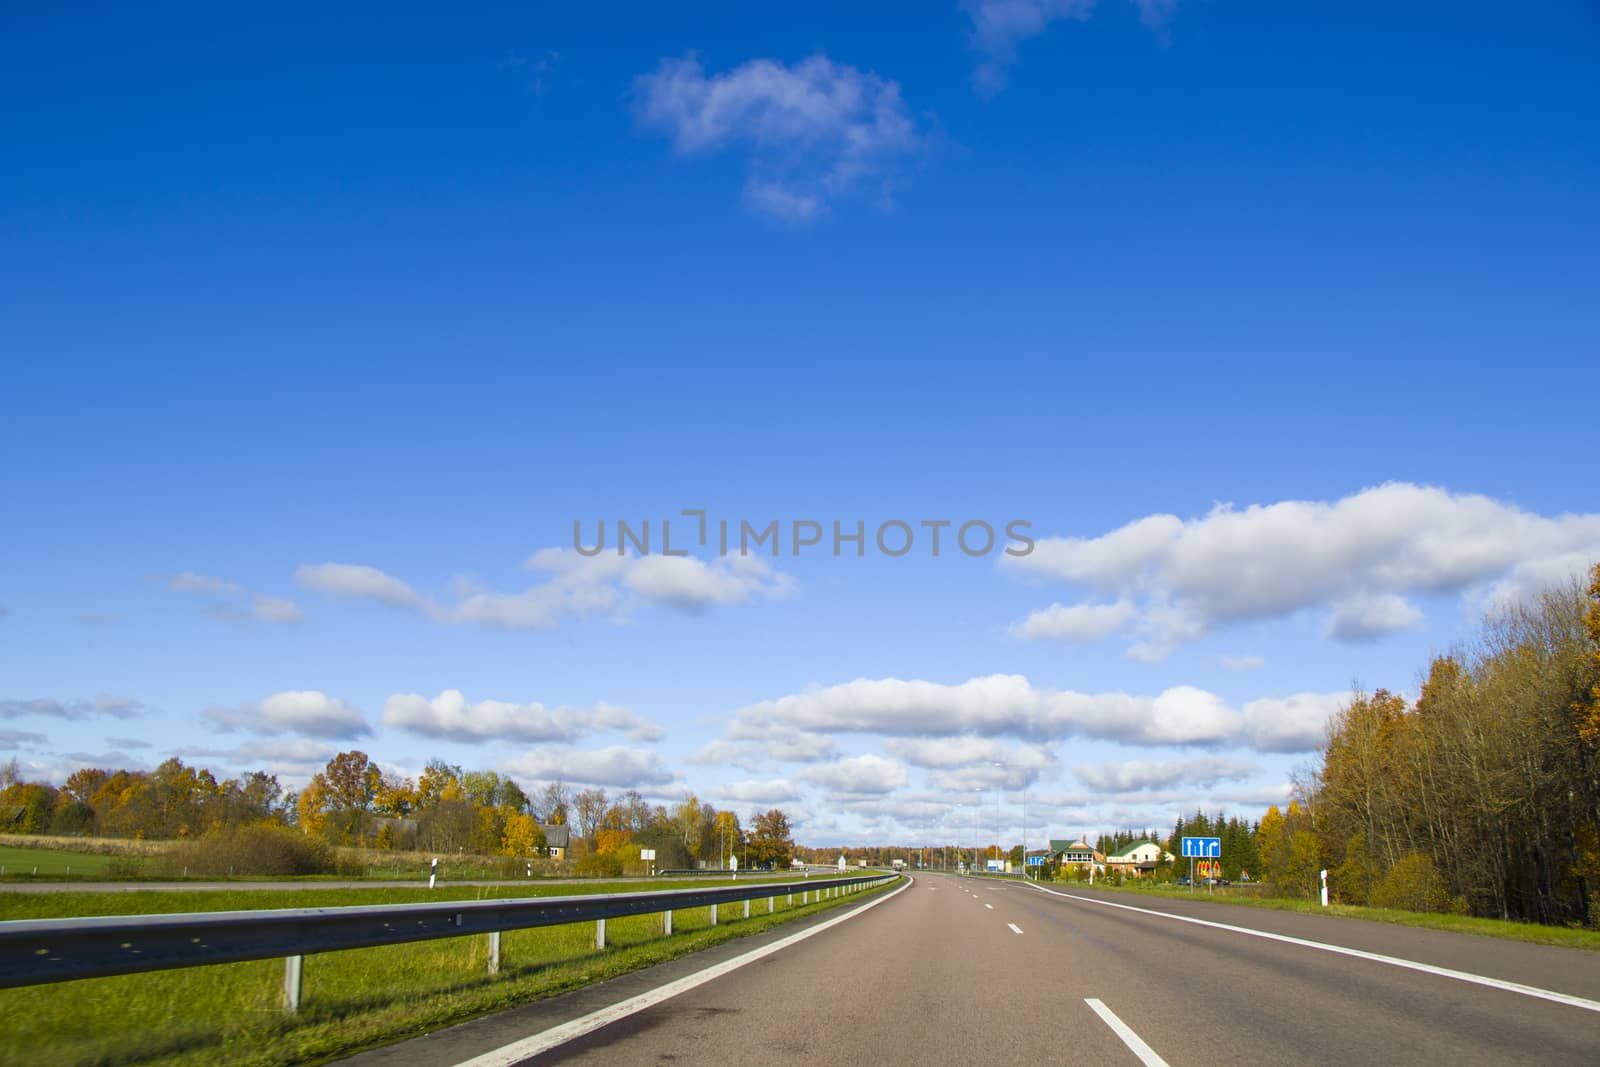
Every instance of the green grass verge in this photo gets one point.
(50, 863)
(231, 1013)
(1532, 933)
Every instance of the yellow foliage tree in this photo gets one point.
(523, 836)
(612, 840)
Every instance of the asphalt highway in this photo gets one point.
(955, 970)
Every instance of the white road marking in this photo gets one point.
(1393, 961)
(1135, 1043)
(1015, 928)
(534, 1044)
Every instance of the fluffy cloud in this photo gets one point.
(231, 594)
(295, 758)
(189, 582)
(1358, 558)
(773, 791)
(963, 763)
(451, 717)
(615, 766)
(1135, 775)
(867, 774)
(360, 582)
(752, 746)
(22, 738)
(1369, 616)
(1076, 622)
(577, 586)
(812, 132)
(998, 26)
(275, 609)
(304, 712)
(51, 708)
(1008, 705)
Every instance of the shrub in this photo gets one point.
(257, 849)
(1413, 884)
(600, 865)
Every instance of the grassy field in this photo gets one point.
(50, 863)
(1532, 933)
(350, 1000)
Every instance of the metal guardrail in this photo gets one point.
(38, 951)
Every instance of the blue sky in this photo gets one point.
(1302, 298)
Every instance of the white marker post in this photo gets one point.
(1324, 887)
(433, 872)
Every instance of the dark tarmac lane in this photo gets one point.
(965, 970)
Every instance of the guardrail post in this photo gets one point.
(667, 922)
(713, 915)
(291, 984)
(599, 935)
(494, 952)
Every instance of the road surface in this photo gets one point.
(964, 970)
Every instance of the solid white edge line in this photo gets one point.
(1135, 1043)
(545, 1040)
(1393, 961)
(1015, 928)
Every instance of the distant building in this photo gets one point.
(1077, 853)
(1139, 858)
(557, 838)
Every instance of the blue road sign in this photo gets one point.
(1203, 848)
(1035, 861)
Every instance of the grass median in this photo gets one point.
(350, 1000)
(1244, 896)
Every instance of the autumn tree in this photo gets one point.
(771, 840)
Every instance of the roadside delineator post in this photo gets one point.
(666, 922)
(291, 984)
(494, 952)
(433, 871)
(599, 935)
(1324, 887)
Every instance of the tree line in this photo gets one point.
(352, 801)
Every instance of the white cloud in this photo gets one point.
(687, 583)
(360, 582)
(858, 774)
(616, 766)
(295, 759)
(753, 746)
(304, 712)
(1076, 622)
(450, 716)
(813, 132)
(275, 609)
(1368, 616)
(189, 582)
(998, 26)
(1136, 775)
(1008, 705)
(1357, 558)
(51, 708)
(771, 791)
(579, 586)
(22, 739)
(1297, 723)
